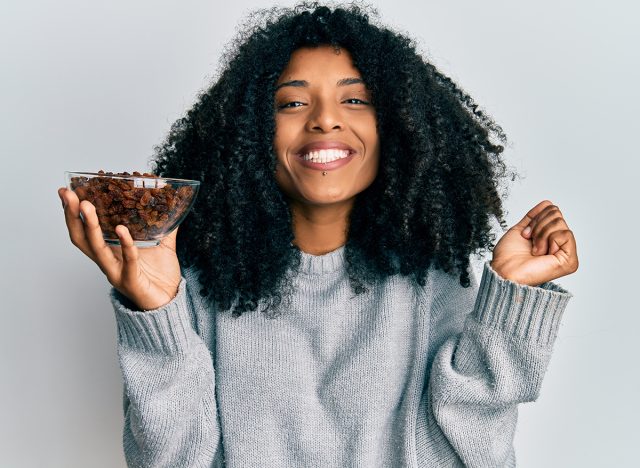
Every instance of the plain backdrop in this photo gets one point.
(95, 85)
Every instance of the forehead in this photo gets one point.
(319, 62)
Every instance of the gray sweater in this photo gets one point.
(401, 376)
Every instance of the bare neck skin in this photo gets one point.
(320, 229)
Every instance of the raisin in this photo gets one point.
(145, 211)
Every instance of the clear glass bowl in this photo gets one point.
(150, 207)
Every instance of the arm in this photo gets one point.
(169, 393)
(169, 386)
(499, 359)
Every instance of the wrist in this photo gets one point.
(505, 274)
(147, 304)
(155, 304)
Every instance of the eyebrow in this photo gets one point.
(305, 84)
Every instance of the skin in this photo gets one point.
(148, 277)
(323, 109)
(538, 249)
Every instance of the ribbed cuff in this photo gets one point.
(165, 330)
(525, 312)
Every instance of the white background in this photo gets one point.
(95, 85)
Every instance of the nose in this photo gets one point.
(325, 117)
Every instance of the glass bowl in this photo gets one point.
(149, 206)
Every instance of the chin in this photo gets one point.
(326, 198)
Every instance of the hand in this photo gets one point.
(148, 277)
(540, 248)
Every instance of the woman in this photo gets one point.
(317, 308)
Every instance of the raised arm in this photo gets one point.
(169, 379)
(498, 360)
(169, 386)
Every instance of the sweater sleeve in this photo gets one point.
(169, 386)
(497, 361)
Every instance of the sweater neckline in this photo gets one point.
(320, 264)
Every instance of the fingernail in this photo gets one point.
(526, 230)
(535, 250)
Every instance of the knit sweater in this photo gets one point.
(400, 376)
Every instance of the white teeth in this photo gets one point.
(325, 156)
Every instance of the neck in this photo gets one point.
(319, 229)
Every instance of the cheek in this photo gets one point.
(373, 166)
(285, 127)
(368, 130)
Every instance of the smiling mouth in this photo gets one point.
(326, 155)
(326, 160)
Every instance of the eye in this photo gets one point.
(289, 105)
(355, 101)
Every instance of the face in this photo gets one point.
(324, 123)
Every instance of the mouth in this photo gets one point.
(326, 155)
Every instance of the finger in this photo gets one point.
(61, 190)
(543, 231)
(549, 210)
(539, 221)
(130, 254)
(533, 212)
(75, 226)
(104, 257)
(563, 247)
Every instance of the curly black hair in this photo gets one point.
(436, 191)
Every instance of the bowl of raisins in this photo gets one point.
(149, 206)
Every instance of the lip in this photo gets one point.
(323, 145)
